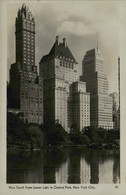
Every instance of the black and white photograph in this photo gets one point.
(63, 94)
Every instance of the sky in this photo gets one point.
(79, 23)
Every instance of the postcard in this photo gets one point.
(62, 101)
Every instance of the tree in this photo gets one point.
(16, 129)
(35, 135)
(102, 134)
(55, 134)
(91, 132)
(112, 135)
(75, 135)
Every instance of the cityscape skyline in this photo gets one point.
(57, 94)
(80, 41)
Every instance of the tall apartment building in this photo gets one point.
(81, 105)
(115, 107)
(59, 70)
(115, 102)
(25, 90)
(97, 85)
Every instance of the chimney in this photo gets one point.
(57, 39)
(64, 42)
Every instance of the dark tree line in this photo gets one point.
(32, 135)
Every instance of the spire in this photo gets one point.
(97, 41)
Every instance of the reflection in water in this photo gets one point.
(70, 165)
(74, 166)
(104, 174)
(84, 171)
(94, 167)
(61, 174)
(116, 169)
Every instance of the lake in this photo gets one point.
(69, 165)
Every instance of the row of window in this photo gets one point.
(29, 58)
(27, 34)
(32, 113)
(29, 48)
(28, 40)
(28, 45)
(29, 55)
(66, 64)
(28, 28)
(106, 126)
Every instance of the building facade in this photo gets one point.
(115, 107)
(59, 70)
(118, 115)
(97, 85)
(25, 90)
(81, 105)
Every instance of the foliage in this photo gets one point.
(16, 129)
(35, 136)
(20, 133)
(55, 134)
(112, 136)
(91, 133)
(101, 136)
(77, 137)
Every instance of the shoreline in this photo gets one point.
(17, 148)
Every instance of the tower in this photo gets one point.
(115, 108)
(59, 70)
(25, 37)
(118, 114)
(25, 91)
(119, 80)
(97, 85)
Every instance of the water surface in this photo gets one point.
(69, 165)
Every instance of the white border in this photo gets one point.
(99, 188)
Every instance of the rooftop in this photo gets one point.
(24, 12)
(60, 50)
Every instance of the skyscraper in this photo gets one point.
(25, 91)
(25, 37)
(97, 85)
(115, 107)
(118, 114)
(81, 105)
(59, 70)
